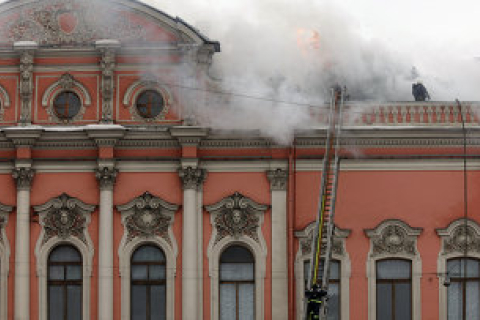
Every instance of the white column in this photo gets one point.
(106, 177)
(191, 178)
(278, 183)
(23, 177)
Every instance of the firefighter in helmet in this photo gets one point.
(314, 301)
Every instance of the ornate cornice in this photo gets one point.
(64, 217)
(305, 238)
(278, 179)
(106, 177)
(393, 237)
(23, 177)
(192, 178)
(148, 216)
(236, 216)
(460, 237)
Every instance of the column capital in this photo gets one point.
(106, 176)
(278, 179)
(23, 176)
(192, 178)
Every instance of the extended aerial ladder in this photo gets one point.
(324, 231)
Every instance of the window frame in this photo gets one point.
(148, 282)
(340, 254)
(140, 95)
(396, 281)
(4, 260)
(236, 282)
(64, 118)
(64, 283)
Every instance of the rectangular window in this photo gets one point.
(394, 290)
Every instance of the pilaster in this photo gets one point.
(108, 48)
(278, 187)
(26, 50)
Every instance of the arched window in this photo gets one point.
(394, 289)
(67, 105)
(464, 290)
(148, 284)
(65, 284)
(237, 284)
(150, 104)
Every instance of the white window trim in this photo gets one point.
(258, 249)
(444, 255)
(4, 262)
(400, 250)
(260, 254)
(127, 248)
(43, 250)
(305, 238)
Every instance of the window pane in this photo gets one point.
(393, 269)
(333, 302)
(384, 302)
(139, 272)
(403, 301)
(334, 270)
(157, 303)
(148, 254)
(237, 271)
(157, 272)
(56, 272)
(472, 300)
(236, 254)
(55, 303)
(139, 304)
(246, 298)
(227, 302)
(74, 272)
(306, 272)
(74, 302)
(455, 301)
(457, 267)
(65, 254)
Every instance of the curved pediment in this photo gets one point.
(56, 23)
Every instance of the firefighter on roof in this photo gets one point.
(419, 92)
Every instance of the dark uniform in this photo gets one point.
(314, 301)
(419, 92)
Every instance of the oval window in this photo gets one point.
(150, 104)
(67, 105)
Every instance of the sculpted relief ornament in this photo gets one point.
(393, 237)
(148, 216)
(236, 216)
(4, 212)
(305, 238)
(460, 236)
(64, 217)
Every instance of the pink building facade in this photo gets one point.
(116, 204)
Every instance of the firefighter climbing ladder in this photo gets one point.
(324, 232)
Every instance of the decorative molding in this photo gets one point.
(23, 177)
(64, 217)
(4, 100)
(64, 220)
(393, 237)
(148, 82)
(278, 179)
(107, 65)
(66, 83)
(236, 216)
(147, 220)
(460, 237)
(192, 178)
(339, 253)
(106, 177)
(4, 260)
(148, 216)
(26, 82)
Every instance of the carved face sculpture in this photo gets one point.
(236, 216)
(147, 218)
(64, 217)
